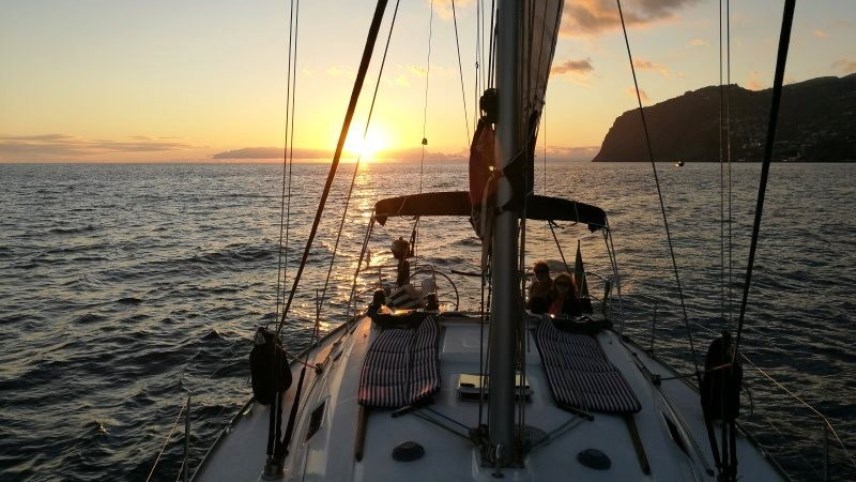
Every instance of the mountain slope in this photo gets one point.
(817, 123)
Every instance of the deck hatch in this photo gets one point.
(470, 385)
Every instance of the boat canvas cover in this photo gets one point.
(457, 203)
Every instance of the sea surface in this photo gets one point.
(125, 288)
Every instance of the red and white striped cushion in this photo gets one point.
(401, 366)
(579, 373)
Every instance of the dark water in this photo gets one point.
(127, 287)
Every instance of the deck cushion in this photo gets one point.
(401, 367)
(579, 373)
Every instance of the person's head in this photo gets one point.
(400, 248)
(542, 271)
(563, 285)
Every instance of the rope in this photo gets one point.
(784, 41)
(461, 72)
(659, 194)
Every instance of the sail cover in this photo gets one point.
(457, 203)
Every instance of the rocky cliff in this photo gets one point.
(817, 123)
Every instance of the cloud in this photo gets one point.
(417, 70)
(820, 34)
(584, 153)
(844, 66)
(273, 153)
(579, 67)
(401, 80)
(699, 42)
(642, 64)
(631, 91)
(754, 83)
(443, 8)
(47, 147)
(590, 17)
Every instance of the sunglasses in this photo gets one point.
(565, 285)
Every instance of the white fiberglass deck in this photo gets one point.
(329, 453)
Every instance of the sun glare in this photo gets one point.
(366, 148)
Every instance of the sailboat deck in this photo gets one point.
(328, 453)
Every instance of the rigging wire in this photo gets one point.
(784, 42)
(546, 191)
(491, 75)
(479, 55)
(359, 157)
(659, 195)
(352, 105)
(425, 107)
(729, 168)
(287, 158)
(725, 178)
(461, 72)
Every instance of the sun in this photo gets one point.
(368, 147)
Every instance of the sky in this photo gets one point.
(197, 80)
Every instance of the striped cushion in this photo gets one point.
(401, 366)
(579, 373)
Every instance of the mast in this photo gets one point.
(505, 278)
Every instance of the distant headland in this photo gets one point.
(817, 123)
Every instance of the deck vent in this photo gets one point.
(408, 451)
(594, 459)
(315, 420)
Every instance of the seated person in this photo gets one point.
(378, 305)
(403, 295)
(539, 291)
(563, 298)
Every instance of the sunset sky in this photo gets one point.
(185, 80)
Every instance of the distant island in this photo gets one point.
(817, 123)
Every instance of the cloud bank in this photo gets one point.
(59, 147)
(590, 17)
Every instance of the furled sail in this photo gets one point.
(540, 26)
(541, 22)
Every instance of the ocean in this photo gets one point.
(127, 287)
